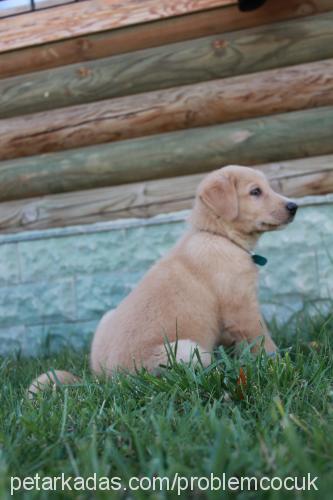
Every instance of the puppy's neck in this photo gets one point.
(203, 219)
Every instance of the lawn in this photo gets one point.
(242, 416)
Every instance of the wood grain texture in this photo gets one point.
(240, 52)
(176, 29)
(90, 17)
(307, 176)
(266, 93)
(259, 140)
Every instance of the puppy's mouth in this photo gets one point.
(273, 226)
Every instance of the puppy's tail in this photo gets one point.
(50, 380)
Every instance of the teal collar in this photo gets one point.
(258, 259)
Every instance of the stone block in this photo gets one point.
(131, 249)
(21, 340)
(37, 303)
(9, 265)
(98, 293)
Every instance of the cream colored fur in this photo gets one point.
(203, 293)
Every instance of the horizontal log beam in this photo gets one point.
(259, 140)
(308, 176)
(90, 17)
(247, 51)
(142, 36)
(219, 101)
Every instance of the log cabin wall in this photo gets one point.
(112, 110)
(102, 93)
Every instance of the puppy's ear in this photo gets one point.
(220, 196)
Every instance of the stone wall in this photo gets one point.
(56, 284)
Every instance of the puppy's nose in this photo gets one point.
(291, 207)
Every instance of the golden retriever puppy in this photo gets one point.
(203, 293)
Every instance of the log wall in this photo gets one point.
(33, 56)
(218, 101)
(203, 59)
(134, 96)
(296, 178)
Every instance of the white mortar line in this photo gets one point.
(101, 227)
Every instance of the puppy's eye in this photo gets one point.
(255, 192)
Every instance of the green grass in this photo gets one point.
(190, 421)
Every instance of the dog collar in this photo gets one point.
(258, 259)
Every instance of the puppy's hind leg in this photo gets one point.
(182, 350)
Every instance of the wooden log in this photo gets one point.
(142, 36)
(248, 51)
(307, 176)
(259, 140)
(266, 93)
(91, 17)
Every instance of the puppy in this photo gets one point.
(203, 293)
